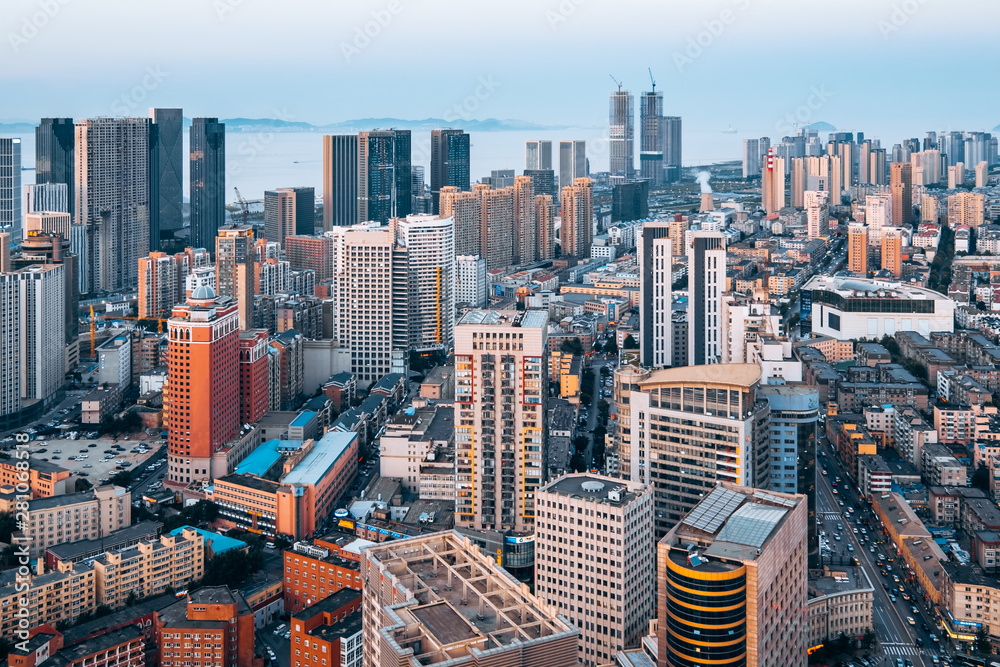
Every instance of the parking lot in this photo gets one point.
(96, 459)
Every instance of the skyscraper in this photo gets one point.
(544, 180)
(112, 199)
(279, 214)
(470, 272)
(497, 224)
(10, 188)
(340, 181)
(857, 248)
(672, 148)
(166, 171)
(901, 188)
(234, 270)
(878, 214)
(772, 185)
(54, 155)
(207, 180)
(47, 197)
(651, 137)
(706, 255)
(157, 285)
(383, 175)
(798, 182)
(424, 282)
(42, 355)
(538, 154)
(10, 343)
(732, 582)
(203, 382)
(254, 386)
(500, 458)
(655, 281)
(465, 209)
(621, 117)
(545, 233)
(525, 222)
(577, 230)
(751, 158)
(449, 162)
(892, 251)
(305, 210)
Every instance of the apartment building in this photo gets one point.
(314, 572)
(150, 567)
(209, 627)
(328, 633)
(840, 601)
(45, 479)
(56, 596)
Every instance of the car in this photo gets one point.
(918, 641)
(894, 577)
(835, 491)
(916, 612)
(901, 589)
(892, 598)
(269, 545)
(909, 619)
(909, 663)
(933, 637)
(83, 474)
(837, 537)
(93, 444)
(87, 465)
(41, 451)
(906, 596)
(841, 503)
(57, 451)
(884, 573)
(840, 526)
(935, 659)
(850, 547)
(160, 476)
(850, 510)
(288, 634)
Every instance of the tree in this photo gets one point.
(630, 343)
(611, 347)
(571, 346)
(232, 568)
(868, 641)
(982, 642)
(578, 463)
(580, 443)
(83, 485)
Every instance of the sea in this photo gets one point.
(259, 161)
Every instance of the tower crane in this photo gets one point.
(616, 81)
(651, 79)
(243, 204)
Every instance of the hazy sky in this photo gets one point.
(892, 67)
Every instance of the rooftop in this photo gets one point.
(835, 582)
(260, 460)
(530, 319)
(220, 543)
(302, 420)
(863, 287)
(741, 375)
(591, 487)
(321, 458)
(329, 604)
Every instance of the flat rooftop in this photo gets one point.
(591, 487)
(260, 460)
(528, 319)
(868, 288)
(323, 456)
(740, 375)
(839, 580)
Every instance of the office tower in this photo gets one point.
(420, 202)
(234, 269)
(651, 137)
(672, 148)
(772, 184)
(655, 250)
(706, 253)
(305, 210)
(311, 252)
(621, 134)
(112, 199)
(254, 370)
(926, 167)
(166, 171)
(157, 285)
(678, 236)
(207, 180)
(900, 186)
(544, 182)
(501, 178)
(10, 342)
(836, 180)
(499, 418)
(449, 162)
(54, 155)
(966, 208)
(4, 252)
(847, 152)
(892, 251)
(877, 166)
(279, 214)
(982, 174)
(878, 215)
(525, 222)
(42, 352)
(538, 154)
(400, 619)
(383, 175)
(857, 248)
(572, 162)
(738, 559)
(751, 158)
(798, 182)
(470, 273)
(10, 188)
(465, 209)
(817, 213)
(864, 162)
(53, 197)
(545, 226)
(46, 221)
(684, 459)
(340, 181)
(623, 516)
(497, 225)
(630, 201)
(423, 283)
(576, 232)
(49, 247)
(204, 383)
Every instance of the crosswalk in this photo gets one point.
(898, 649)
(831, 515)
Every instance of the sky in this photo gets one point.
(894, 68)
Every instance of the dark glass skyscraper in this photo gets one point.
(208, 180)
(383, 175)
(54, 159)
(166, 170)
(672, 148)
(340, 180)
(305, 210)
(449, 162)
(404, 174)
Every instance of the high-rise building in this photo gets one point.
(982, 174)
(576, 232)
(158, 285)
(651, 137)
(751, 158)
(207, 180)
(655, 250)
(817, 213)
(525, 222)
(52, 197)
(678, 235)
(966, 208)
(619, 515)
(383, 175)
(449, 162)
(470, 272)
(706, 253)
(42, 353)
(857, 248)
(48, 221)
(692, 427)
(10, 345)
(772, 185)
(340, 181)
(500, 458)
(305, 210)
(798, 182)
(311, 252)
(49, 247)
(892, 251)
(516, 630)
(732, 581)
(279, 214)
(10, 188)
(203, 381)
(55, 140)
(166, 171)
(253, 359)
(465, 208)
(500, 178)
(878, 214)
(672, 148)
(4, 252)
(621, 134)
(544, 181)
(901, 189)
(538, 154)
(877, 166)
(497, 225)
(423, 282)
(630, 201)
(234, 269)
(545, 233)
(112, 199)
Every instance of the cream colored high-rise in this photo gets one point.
(525, 226)
(577, 230)
(157, 285)
(234, 270)
(678, 234)
(597, 530)
(500, 391)
(966, 208)
(878, 215)
(42, 350)
(982, 174)
(892, 251)
(48, 221)
(798, 182)
(464, 208)
(424, 282)
(929, 208)
(817, 213)
(545, 226)
(773, 184)
(498, 218)
(857, 248)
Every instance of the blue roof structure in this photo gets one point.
(302, 420)
(260, 460)
(220, 543)
(325, 454)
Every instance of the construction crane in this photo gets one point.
(651, 79)
(243, 204)
(616, 81)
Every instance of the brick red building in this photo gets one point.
(254, 393)
(314, 572)
(209, 627)
(328, 633)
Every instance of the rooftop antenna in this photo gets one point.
(616, 81)
(651, 79)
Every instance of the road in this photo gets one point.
(897, 638)
(597, 362)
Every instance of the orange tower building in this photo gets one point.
(254, 370)
(204, 382)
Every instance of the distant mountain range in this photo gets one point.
(821, 126)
